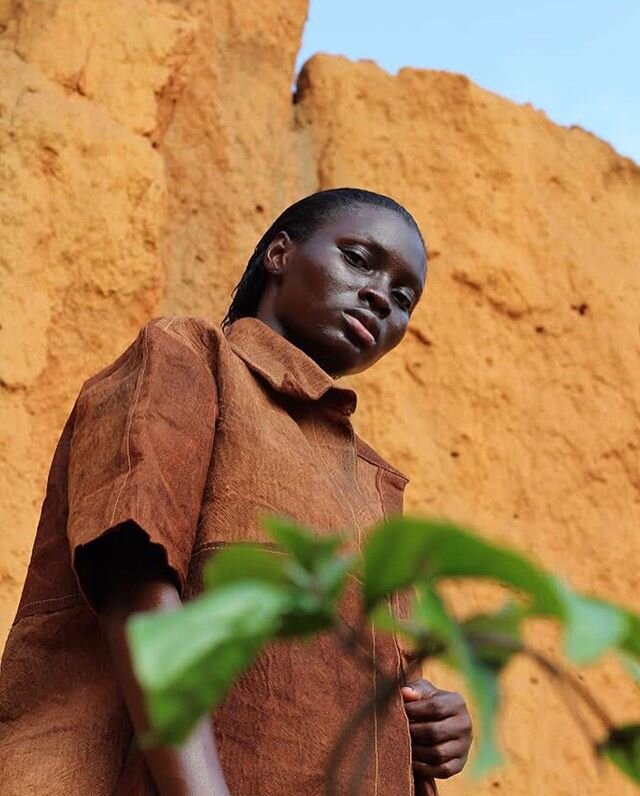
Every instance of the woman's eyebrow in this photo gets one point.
(378, 247)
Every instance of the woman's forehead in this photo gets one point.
(382, 227)
(362, 215)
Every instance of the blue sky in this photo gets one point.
(577, 61)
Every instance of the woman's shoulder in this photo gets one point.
(187, 342)
(201, 336)
(182, 327)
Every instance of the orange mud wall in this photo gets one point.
(144, 147)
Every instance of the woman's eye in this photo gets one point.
(355, 258)
(403, 300)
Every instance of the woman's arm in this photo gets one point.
(192, 769)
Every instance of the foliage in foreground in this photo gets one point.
(187, 659)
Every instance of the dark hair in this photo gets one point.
(299, 221)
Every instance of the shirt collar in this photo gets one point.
(284, 366)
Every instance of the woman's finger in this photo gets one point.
(438, 706)
(442, 753)
(433, 733)
(443, 771)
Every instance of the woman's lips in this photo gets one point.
(360, 330)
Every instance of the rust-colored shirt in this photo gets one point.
(192, 433)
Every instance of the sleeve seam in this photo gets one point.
(130, 421)
(183, 336)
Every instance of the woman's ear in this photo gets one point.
(275, 256)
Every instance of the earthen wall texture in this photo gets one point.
(145, 146)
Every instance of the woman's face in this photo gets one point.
(345, 295)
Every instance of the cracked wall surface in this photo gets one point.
(82, 198)
(145, 146)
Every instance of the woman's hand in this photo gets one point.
(440, 728)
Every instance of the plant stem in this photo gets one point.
(559, 676)
(556, 672)
(351, 641)
(565, 677)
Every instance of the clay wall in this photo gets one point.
(145, 146)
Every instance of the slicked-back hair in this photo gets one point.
(299, 221)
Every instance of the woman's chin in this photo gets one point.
(347, 356)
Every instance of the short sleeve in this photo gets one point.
(141, 447)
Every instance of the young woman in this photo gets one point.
(176, 449)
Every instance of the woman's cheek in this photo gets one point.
(396, 330)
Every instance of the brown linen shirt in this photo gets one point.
(192, 433)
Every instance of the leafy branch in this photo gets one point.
(254, 594)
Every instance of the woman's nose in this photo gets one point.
(376, 299)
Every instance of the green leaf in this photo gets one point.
(403, 549)
(307, 612)
(332, 575)
(314, 599)
(312, 595)
(244, 562)
(480, 679)
(622, 747)
(592, 626)
(186, 660)
(394, 555)
(631, 664)
(494, 638)
(306, 547)
(431, 613)
(631, 642)
(483, 685)
(300, 622)
(383, 618)
(420, 641)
